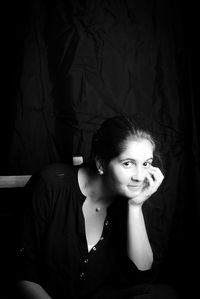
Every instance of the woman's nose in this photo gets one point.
(138, 174)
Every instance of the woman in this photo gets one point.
(84, 233)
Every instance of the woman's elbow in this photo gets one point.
(144, 266)
(145, 263)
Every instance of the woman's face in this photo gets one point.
(126, 174)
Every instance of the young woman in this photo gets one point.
(84, 233)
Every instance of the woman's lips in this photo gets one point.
(134, 186)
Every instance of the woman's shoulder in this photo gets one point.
(55, 174)
(56, 169)
(58, 172)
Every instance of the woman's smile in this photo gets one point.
(127, 172)
(135, 186)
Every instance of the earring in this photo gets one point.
(100, 171)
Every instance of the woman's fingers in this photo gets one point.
(156, 173)
(154, 178)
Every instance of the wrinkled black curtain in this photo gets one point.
(73, 64)
(84, 61)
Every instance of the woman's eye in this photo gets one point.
(127, 164)
(147, 164)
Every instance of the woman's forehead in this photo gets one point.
(138, 148)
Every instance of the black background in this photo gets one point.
(182, 135)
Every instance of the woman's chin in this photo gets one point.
(134, 192)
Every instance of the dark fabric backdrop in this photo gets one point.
(72, 64)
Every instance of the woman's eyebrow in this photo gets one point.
(135, 160)
(149, 159)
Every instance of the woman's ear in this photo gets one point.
(99, 166)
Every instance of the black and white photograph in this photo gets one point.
(100, 149)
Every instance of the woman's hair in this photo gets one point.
(110, 139)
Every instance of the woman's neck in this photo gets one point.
(93, 186)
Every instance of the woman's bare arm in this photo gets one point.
(138, 246)
(32, 290)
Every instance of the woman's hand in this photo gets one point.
(152, 181)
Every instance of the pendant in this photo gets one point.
(98, 209)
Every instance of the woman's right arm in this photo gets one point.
(32, 290)
(33, 228)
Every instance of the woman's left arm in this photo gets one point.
(139, 248)
(138, 245)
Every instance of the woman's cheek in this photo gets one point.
(146, 183)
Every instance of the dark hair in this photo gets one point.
(109, 140)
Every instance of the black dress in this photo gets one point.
(53, 248)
